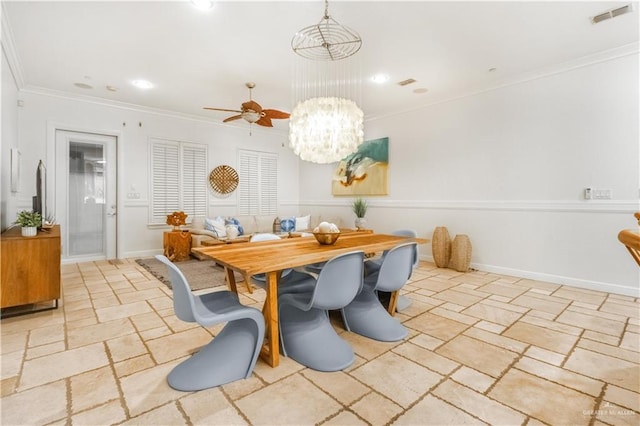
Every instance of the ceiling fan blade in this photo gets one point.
(265, 121)
(233, 117)
(274, 113)
(222, 109)
(253, 106)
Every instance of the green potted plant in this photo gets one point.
(359, 207)
(29, 221)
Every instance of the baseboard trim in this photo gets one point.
(555, 279)
(140, 254)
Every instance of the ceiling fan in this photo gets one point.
(252, 112)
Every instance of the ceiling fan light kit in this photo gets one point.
(325, 124)
(252, 112)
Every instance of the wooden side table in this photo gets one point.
(177, 245)
(30, 268)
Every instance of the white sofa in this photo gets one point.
(253, 224)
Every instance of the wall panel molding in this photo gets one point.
(135, 203)
(560, 206)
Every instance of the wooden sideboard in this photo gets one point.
(30, 267)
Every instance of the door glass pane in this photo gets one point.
(86, 199)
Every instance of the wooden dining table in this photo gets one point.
(272, 257)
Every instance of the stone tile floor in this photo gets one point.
(482, 349)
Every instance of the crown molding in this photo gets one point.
(585, 61)
(14, 63)
(9, 49)
(59, 94)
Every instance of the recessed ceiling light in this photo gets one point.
(202, 4)
(380, 78)
(83, 85)
(142, 84)
(493, 69)
(111, 88)
(420, 90)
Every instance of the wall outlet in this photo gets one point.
(602, 194)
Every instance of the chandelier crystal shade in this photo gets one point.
(326, 124)
(325, 130)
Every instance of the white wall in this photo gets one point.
(42, 113)
(508, 168)
(9, 140)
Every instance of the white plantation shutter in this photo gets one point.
(249, 177)
(165, 195)
(194, 180)
(178, 179)
(258, 187)
(268, 185)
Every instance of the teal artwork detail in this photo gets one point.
(377, 150)
(365, 171)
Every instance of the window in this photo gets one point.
(178, 179)
(258, 187)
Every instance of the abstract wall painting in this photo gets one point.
(365, 172)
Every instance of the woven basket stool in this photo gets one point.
(441, 247)
(460, 253)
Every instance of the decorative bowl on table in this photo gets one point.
(326, 238)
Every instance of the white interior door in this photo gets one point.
(85, 200)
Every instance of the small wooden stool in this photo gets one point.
(177, 245)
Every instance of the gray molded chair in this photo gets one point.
(315, 268)
(373, 266)
(365, 315)
(306, 333)
(288, 275)
(233, 353)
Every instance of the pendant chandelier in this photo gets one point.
(326, 124)
(327, 40)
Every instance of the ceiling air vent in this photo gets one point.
(406, 82)
(612, 14)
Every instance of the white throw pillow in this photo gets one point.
(302, 223)
(217, 226)
(197, 222)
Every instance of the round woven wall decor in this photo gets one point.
(223, 179)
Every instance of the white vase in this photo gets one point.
(29, 231)
(232, 232)
(361, 223)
